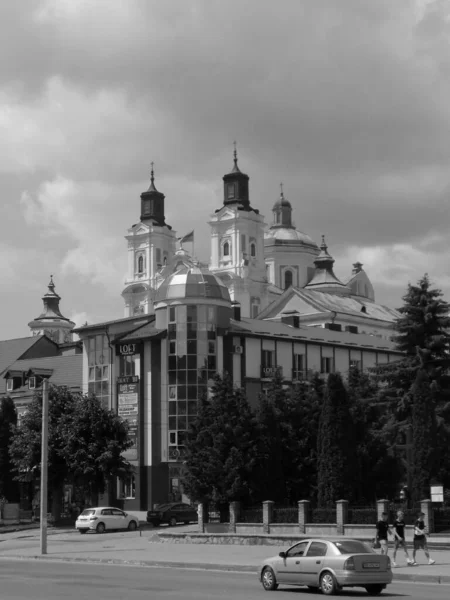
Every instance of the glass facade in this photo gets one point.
(192, 356)
(99, 368)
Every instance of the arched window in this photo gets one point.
(226, 249)
(141, 264)
(252, 249)
(287, 279)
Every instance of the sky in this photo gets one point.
(346, 102)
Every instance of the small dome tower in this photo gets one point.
(51, 322)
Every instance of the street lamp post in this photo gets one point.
(44, 467)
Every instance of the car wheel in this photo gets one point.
(132, 526)
(100, 528)
(268, 579)
(82, 531)
(375, 589)
(172, 521)
(328, 584)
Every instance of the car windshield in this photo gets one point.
(87, 512)
(352, 547)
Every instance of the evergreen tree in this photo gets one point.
(9, 488)
(335, 444)
(221, 451)
(424, 451)
(85, 442)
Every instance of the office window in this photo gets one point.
(326, 365)
(127, 487)
(99, 365)
(299, 366)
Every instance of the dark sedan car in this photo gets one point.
(176, 512)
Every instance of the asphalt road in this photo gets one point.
(20, 580)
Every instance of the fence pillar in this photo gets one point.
(303, 514)
(341, 516)
(382, 506)
(267, 515)
(235, 509)
(201, 512)
(427, 508)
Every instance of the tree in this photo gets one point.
(424, 449)
(221, 447)
(336, 438)
(8, 419)
(85, 442)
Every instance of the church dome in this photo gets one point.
(192, 282)
(287, 234)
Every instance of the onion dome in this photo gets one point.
(51, 321)
(152, 204)
(324, 279)
(235, 187)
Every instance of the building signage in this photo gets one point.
(270, 372)
(128, 349)
(437, 493)
(128, 410)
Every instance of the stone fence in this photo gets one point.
(303, 524)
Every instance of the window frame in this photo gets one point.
(10, 385)
(32, 382)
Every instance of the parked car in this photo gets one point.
(328, 565)
(105, 517)
(176, 512)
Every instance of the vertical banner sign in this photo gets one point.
(128, 410)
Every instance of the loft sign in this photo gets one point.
(128, 349)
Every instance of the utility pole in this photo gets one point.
(44, 466)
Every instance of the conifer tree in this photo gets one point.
(335, 444)
(221, 451)
(9, 488)
(424, 451)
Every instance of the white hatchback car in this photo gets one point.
(105, 517)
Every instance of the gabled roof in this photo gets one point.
(12, 350)
(309, 302)
(139, 320)
(65, 370)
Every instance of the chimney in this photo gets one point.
(291, 317)
(236, 311)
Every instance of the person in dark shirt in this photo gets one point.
(383, 530)
(399, 538)
(420, 539)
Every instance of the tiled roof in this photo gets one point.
(139, 319)
(279, 329)
(144, 332)
(12, 350)
(67, 370)
(311, 301)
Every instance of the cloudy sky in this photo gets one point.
(345, 101)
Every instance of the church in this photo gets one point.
(268, 269)
(268, 302)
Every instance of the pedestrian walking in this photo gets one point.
(399, 538)
(383, 530)
(420, 538)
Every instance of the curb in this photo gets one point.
(398, 577)
(137, 563)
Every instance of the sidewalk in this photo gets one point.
(144, 549)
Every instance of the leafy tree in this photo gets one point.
(335, 444)
(221, 449)
(8, 419)
(424, 450)
(85, 442)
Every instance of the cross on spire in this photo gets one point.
(152, 174)
(281, 188)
